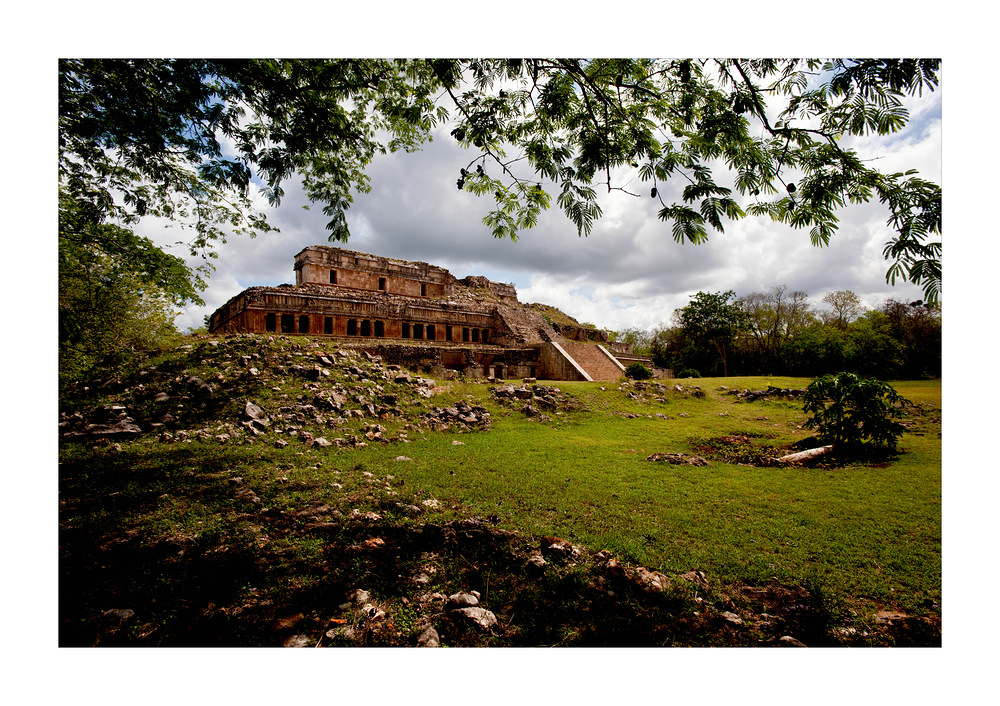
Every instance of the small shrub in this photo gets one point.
(854, 413)
(689, 373)
(638, 371)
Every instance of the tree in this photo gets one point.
(638, 371)
(817, 350)
(872, 349)
(852, 412)
(710, 318)
(846, 307)
(581, 123)
(145, 137)
(773, 318)
(917, 329)
(187, 139)
(116, 293)
(639, 339)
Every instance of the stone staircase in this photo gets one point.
(599, 364)
(569, 360)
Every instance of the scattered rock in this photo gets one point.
(481, 617)
(696, 577)
(537, 561)
(678, 459)
(462, 600)
(730, 617)
(254, 413)
(652, 581)
(789, 641)
(429, 638)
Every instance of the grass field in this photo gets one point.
(174, 530)
(863, 532)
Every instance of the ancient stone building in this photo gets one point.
(417, 315)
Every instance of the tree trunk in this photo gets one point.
(808, 455)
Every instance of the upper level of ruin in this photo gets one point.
(348, 269)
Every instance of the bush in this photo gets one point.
(854, 413)
(689, 373)
(638, 371)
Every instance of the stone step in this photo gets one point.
(598, 364)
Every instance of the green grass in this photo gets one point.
(869, 533)
(146, 525)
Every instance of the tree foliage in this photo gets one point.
(845, 307)
(854, 412)
(710, 318)
(638, 371)
(189, 140)
(783, 334)
(743, 137)
(116, 293)
(773, 319)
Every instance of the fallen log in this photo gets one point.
(804, 456)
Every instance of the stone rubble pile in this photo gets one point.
(772, 392)
(462, 416)
(339, 387)
(533, 400)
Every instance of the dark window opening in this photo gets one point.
(418, 331)
(447, 332)
(423, 290)
(475, 335)
(430, 332)
(333, 277)
(465, 335)
(287, 323)
(366, 328)
(406, 330)
(328, 325)
(379, 329)
(486, 335)
(270, 322)
(303, 324)
(381, 284)
(352, 327)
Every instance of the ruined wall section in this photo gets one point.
(523, 326)
(483, 287)
(316, 310)
(336, 267)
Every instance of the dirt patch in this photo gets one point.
(740, 449)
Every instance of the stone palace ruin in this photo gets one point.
(421, 317)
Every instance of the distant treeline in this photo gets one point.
(779, 332)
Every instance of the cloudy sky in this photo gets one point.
(628, 273)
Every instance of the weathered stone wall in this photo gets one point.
(452, 361)
(320, 312)
(505, 292)
(336, 267)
